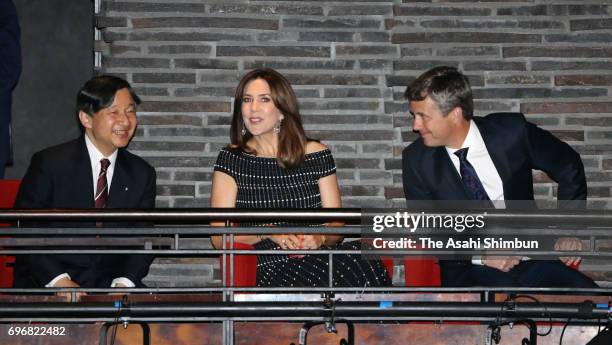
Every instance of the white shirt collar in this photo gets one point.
(478, 155)
(95, 156)
(473, 139)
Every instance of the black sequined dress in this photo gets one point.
(263, 183)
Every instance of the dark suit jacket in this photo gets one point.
(515, 146)
(61, 177)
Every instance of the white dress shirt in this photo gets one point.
(479, 157)
(95, 156)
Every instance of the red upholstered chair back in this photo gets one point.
(245, 267)
(421, 271)
(8, 193)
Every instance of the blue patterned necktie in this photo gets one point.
(469, 176)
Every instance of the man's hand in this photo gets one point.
(502, 263)
(569, 244)
(67, 283)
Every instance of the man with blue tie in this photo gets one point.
(92, 171)
(462, 157)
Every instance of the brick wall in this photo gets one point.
(349, 62)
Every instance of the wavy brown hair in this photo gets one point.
(291, 138)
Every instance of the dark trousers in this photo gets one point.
(531, 273)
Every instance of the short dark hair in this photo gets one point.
(446, 86)
(292, 138)
(99, 93)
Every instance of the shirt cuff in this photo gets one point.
(56, 279)
(123, 281)
(477, 260)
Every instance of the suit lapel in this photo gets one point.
(451, 184)
(122, 179)
(82, 180)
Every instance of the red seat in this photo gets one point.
(245, 267)
(421, 271)
(8, 193)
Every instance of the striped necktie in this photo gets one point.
(102, 185)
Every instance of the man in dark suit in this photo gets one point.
(10, 69)
(92, 171)
(461, 157)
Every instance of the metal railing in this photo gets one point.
(315, 304)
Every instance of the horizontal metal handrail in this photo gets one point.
(199, 230)
(350, 215)
(371, 310)
(178, 230)
(479, 290)
(183, 215)
(372, 253)
(591, 225)
(466, 321)
(195, 224)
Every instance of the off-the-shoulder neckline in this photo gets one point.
(320, 152)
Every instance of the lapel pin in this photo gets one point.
(126, 188)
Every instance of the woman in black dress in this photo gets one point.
(272, 164)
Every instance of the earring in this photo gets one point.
(243, 131)
(277, 127)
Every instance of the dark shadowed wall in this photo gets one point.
(57, 49)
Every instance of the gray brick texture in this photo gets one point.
(349, 62)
